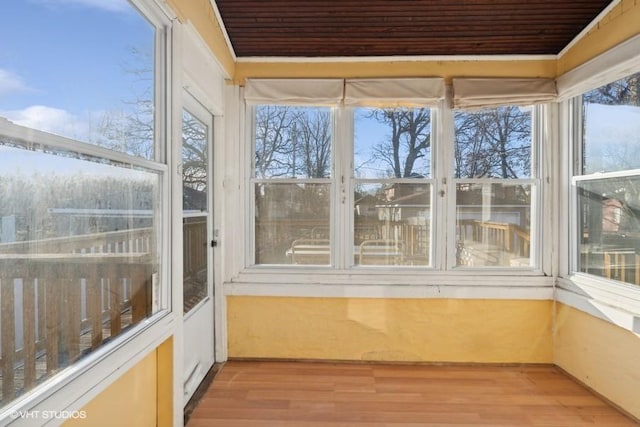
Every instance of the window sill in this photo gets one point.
(609, 300)
(373, 283)
(79, 383)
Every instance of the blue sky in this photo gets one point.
(612, 138)
(63, 63)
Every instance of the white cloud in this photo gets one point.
(12, 83)
(107, 5)
(47, 119)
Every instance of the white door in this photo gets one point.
(197, 232)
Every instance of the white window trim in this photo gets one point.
(419, 282)
(308, 282)
(252, 180)
(610, 300)
(350, 181)
(77, 384)
(538, 265)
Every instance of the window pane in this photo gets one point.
(392, 224)
(611, 126)
(194, 164)
(194, 201)
(609, 228)
(292, 223)
(493, 225)
(195, 247)
(493, 143)
(83, 70)
(78, 258)
(392, 143)
(292, 142)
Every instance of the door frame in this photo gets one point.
(204, 310)
(198, 73)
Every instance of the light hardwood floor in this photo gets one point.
(288, 394)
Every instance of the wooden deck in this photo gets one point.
(288, 394)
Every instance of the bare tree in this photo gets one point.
(273, 143)
(624, 91)
(292, 142)
(410, 139)
(130, 129)
(493, 142)
(313, 134)
(194, 163)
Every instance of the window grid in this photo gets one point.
(604, 181)
(342, 229)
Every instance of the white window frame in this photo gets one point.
(350, 181)
(252, 180)
(576, 177)
(610, 300)
(538, 112)
(442, 268)
(79, 383)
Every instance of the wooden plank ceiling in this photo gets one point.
(347, 28)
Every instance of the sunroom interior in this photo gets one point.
(406, 182)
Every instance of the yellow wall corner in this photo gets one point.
(141, 397)
(600, 354)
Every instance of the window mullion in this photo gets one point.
(343, 229)
(445, 230)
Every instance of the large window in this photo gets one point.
(392, 186)
(495, 187)
(292, 184)
(374, 183)
(607, 182)
(81, 184)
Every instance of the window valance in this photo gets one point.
(354, 92)
(394, 92)
(294, 91)
(490, 92)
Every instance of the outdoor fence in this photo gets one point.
(62, 298)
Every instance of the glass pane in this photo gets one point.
(493, 143)
(392, 143)
(493, 225)
(195, 247)
(609, 221)
(611, 126)
(392, 224)
(292, 142)
(78, 258)
(194, 164)
(194, 200)
(292, 224)
(88, 74)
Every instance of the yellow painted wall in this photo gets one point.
(164, 367)
(425, 330)
(603, 356)
(622, 23)
(202, 16)
(141, 397)
(446, 69)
